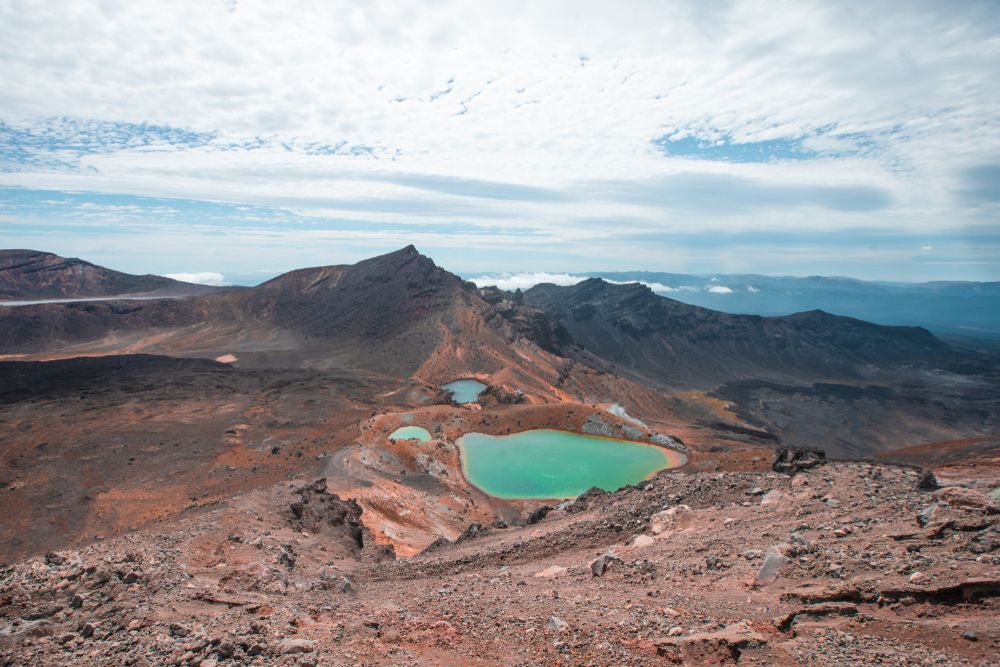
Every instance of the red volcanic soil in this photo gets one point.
(96, 446)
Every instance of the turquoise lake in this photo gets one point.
(557, 464)
(409, 432)
(464, 391)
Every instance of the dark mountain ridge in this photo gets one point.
(965, 308)
(34, 275)
(680, 344)
(393, 313)
(389, 313)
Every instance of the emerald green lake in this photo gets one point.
(464, 391)
(408, 432)
(557, 464)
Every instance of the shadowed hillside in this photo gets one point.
(31, 275)
(686, 345)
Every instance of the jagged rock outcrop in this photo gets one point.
(320, 511)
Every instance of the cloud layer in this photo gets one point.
(507, 137)
(201, 278)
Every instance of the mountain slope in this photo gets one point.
(680, 344)
(33, 275)
(965, 308)
(397, 314)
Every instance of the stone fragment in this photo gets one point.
(774, 562)
(985, 541)
(88, 629)
(556, 624)
(439, 543)
(130, 578)
(959, 497)
(551, 573)
(756, 491)
(255, 649)
(473, 531)
(179, 630)
(293, 645)
(642, 541)
(927, 482)
(77, 601)
(538, 514)
(771, 497)
(287, 558)
(675, 631)
(926, 515)
(792, 460)
(134, 624)
(39, 628)
(722, 647)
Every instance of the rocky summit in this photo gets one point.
(209, 479)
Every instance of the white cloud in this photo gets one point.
(656, 287)
(753, 289)
(719, 289)
(523, 281)
(926, 247)
(199, 278)
(520, 128)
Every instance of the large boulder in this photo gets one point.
(959, 497)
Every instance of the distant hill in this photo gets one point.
(680, 344)
(29, 275)
(955, 307)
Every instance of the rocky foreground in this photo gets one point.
(841, 564)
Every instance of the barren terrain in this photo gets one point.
(209, 481)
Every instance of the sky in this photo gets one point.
(230, 141)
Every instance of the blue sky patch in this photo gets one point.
(727, 151)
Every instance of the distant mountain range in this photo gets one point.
(959, 308)
(684, 345)
(400, 314)
(30, 275)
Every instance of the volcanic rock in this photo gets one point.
(959, 497)
(793, 460)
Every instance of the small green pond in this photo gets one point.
(557, 464)
(409, 432)
(464, 391)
